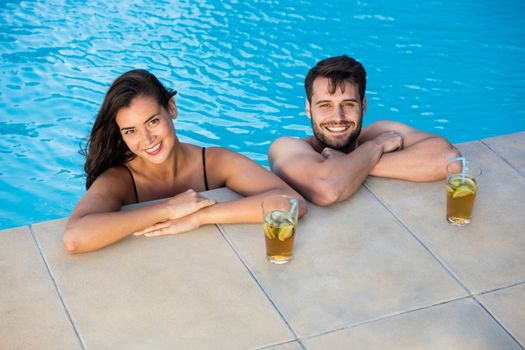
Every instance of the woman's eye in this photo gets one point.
(154, 121)
(129, 132)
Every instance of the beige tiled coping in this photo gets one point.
(187, 291)
(31, 313)
(487, 254)
(510, 148)
(457, 325)
(508, 307)
(354, 262)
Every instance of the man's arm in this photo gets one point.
(325, 179)
(423, 156)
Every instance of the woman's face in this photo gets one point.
(147, 128)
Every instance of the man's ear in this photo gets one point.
(307, 109)
(364, 105)
(172, 106)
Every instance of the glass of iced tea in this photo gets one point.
(280, 214)
(462, 187)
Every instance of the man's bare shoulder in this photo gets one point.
(285, 146)
(288, 148)
(386, 125)
(373, 130)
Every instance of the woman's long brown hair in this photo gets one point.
(105, 147)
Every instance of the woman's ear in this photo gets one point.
(172, 108)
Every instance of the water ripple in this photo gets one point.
(239, 69)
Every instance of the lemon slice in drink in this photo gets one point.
(285, 232)
(268, 231)
(465, 189)
(462, 192)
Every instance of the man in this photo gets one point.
(331, 165)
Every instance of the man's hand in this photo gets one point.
(390, 141)
(330, 153)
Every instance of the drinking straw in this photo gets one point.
(463, 166)
(292, 209)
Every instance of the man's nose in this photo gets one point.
(339, 112)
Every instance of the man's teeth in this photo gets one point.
(337, 128)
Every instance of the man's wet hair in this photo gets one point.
(338, 70)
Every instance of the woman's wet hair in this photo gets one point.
(338, 70)
(105, 147)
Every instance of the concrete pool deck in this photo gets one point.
(382, 270)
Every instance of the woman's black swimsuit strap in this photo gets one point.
(204, 168)
(133, 182)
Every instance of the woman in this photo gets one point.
(134, 155)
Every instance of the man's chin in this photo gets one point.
(337, 143)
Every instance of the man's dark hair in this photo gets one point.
(338, 70)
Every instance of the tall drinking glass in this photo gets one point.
(280, 214)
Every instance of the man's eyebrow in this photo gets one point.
(345, 100)
(147, 121)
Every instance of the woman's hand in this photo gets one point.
(185, 204)
(171, 227)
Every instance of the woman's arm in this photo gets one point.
(242, 175)
(97, 220)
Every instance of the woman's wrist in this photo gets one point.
(202, 216)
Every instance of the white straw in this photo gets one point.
(463, 166)
(292, 209)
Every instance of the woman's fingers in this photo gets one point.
(170, 227)
(152, 228)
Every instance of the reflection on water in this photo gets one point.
(445, 67)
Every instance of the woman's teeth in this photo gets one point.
(153, 149)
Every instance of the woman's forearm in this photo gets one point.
(97, 230)
(245, 210)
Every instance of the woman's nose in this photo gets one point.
(148, 137)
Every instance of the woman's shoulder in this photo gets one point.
(224, 156)
(117, 181)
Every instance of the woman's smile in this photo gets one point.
(154, 150)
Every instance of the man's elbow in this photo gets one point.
(452, 152)
(324, 193)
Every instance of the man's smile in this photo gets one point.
(337, 128)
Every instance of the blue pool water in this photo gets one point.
(456, 68)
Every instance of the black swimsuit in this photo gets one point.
(203, 167)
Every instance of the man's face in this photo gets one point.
(336, 118)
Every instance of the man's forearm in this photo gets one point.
(345, 174)
(422, 161)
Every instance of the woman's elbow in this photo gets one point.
(72, 243)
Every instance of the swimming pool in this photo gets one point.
(449, 67)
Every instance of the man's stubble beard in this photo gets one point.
(340, 144)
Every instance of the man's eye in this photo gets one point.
(324, 105)
(348, 105)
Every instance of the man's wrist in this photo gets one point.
(377, 145)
